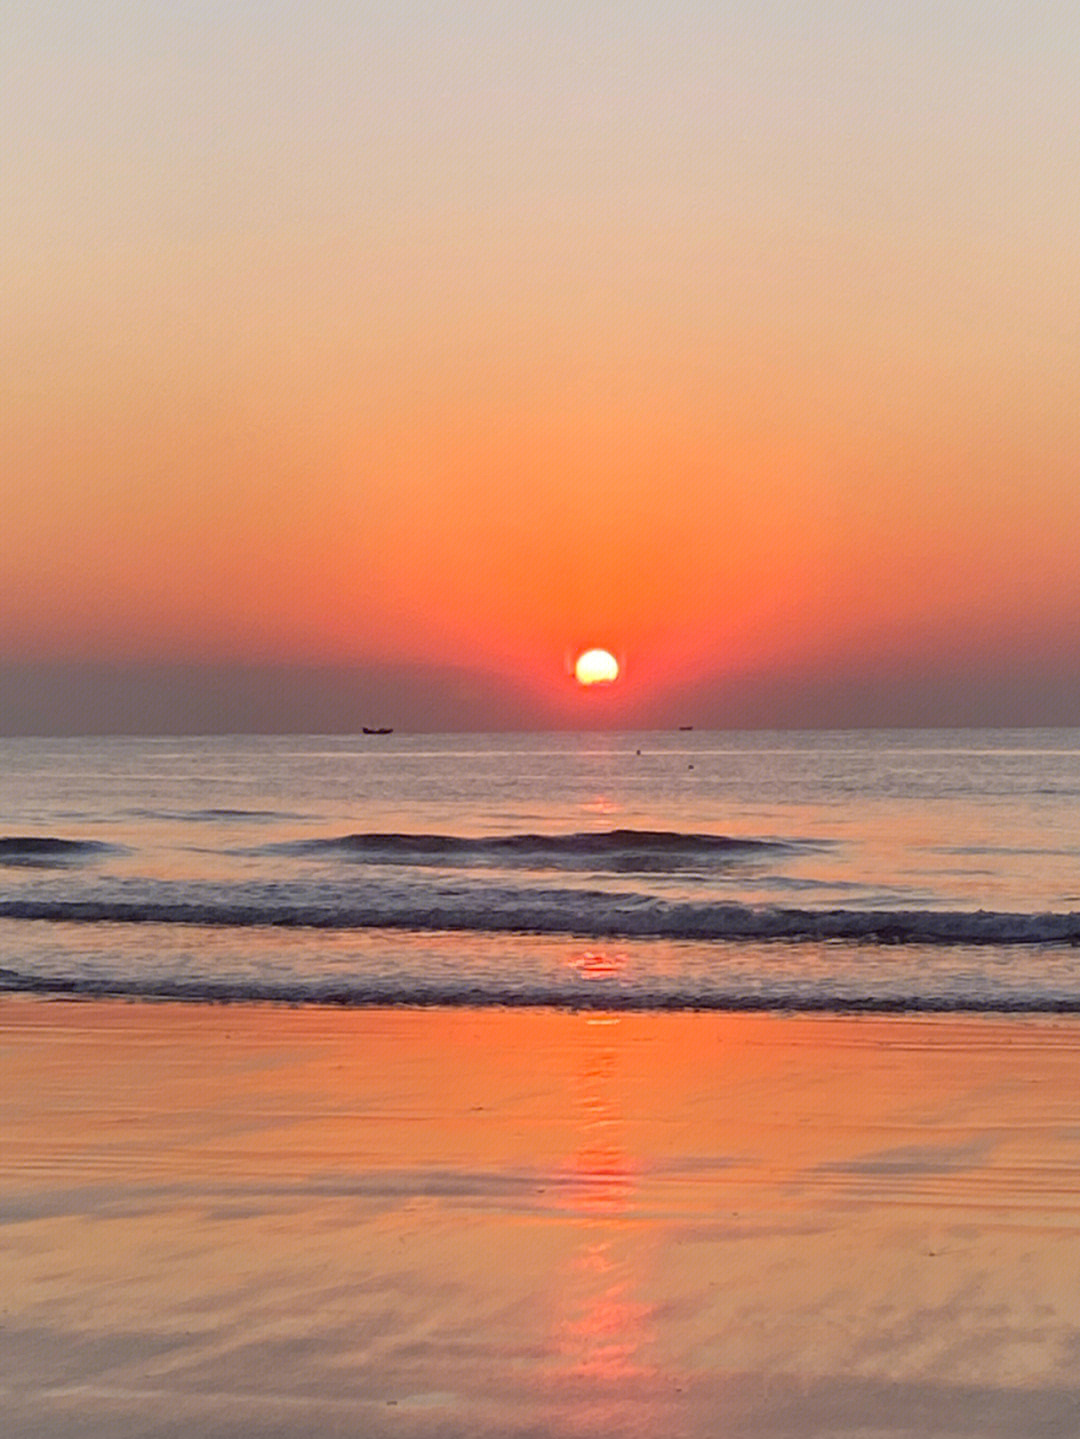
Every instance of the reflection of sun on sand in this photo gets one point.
(605, 1328)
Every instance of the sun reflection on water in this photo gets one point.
(599, 964)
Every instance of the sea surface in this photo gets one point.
(878, 870)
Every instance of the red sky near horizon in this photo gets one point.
(452, 334)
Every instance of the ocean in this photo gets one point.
(877, 870)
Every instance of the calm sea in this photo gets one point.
(907, 869)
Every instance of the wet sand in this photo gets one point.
(259, 1221)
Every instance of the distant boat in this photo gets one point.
(685, 727)
(376, 729)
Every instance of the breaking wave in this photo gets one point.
(586, 914)
(362, 993)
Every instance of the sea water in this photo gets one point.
(917, 870)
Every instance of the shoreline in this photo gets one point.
(259, 1218)
(208, 995)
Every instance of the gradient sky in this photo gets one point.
(422, 344)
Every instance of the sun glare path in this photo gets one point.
(596, 667)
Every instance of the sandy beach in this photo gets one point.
(255, 1220)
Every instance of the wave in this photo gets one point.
(210, 816)
(369, 994)
(31, 849)
(616, 849)
(585, 914)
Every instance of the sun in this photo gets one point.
(596, 667)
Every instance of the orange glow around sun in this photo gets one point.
(596, 667)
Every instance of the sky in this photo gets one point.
(363, 363)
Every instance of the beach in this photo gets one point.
(252, 1219)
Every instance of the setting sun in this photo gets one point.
(596, 667)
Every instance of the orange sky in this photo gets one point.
(447, 336)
